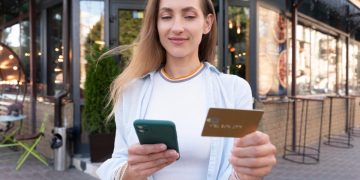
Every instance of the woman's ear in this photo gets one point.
(209, 20)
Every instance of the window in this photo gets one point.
(341, 74)
(54, 51)
(272, 59)
(323, 63)
(238, 25)
(354, 76)
(91, 31)
(11, 37)
(319, 65)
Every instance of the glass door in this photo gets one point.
(129, 24)
(237, 54)
(125, 23)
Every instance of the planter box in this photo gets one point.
(101, 146)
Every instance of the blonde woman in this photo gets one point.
(170, 77)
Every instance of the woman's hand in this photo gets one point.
(253, 156)
(145, 160)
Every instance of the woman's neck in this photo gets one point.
(176, 68)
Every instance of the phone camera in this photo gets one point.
(141, 129)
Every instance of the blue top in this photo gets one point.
(223, 91)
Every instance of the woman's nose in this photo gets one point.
(178, 25)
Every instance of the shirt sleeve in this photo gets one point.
(243, 100)
(109, 169)
(243, 94)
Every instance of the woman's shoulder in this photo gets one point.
(136, 84)
(227, 79)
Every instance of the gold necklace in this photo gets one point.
(167, 76)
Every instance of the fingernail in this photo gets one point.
(162, 146)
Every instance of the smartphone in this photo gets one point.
(157, 131)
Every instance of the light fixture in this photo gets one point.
(11, 56)
(1, 48)
(231, 25)
(56, 49)
(15, 68)
(238, 31)
(58, 68)
(239, 66)
(61, 58)
(100, 42)
(39, 53)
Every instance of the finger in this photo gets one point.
(252, 139)
(257, 172)
(253, 162)
(143, 149)
(134, 159)
(254, 151)
(151, 164)
(143, 168)
(150, 171)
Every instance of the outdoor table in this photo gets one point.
(340, 141)
(7, 135)
(300, 150)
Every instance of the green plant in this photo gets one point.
(99, 75)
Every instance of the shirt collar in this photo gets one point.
(207, 66)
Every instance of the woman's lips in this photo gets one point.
(177, 40)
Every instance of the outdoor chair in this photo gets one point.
(29, 143)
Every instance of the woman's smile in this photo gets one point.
(178, 40)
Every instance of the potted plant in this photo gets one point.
(99, 75)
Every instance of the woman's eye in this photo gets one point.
(189, 17)
(165, 17)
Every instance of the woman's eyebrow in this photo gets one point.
(190, 8)
(165, 9)
(186, 9)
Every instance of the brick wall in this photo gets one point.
(275, 116)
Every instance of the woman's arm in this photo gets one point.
(252, 156)
(109, 169)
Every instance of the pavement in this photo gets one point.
(34, 169)
(335, 164)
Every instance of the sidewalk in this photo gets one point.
(335, 164)
(33, 169)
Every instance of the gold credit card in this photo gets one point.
(231, 122)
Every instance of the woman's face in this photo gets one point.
(181, 24)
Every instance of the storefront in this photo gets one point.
(255, 42)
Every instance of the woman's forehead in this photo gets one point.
(179, 4)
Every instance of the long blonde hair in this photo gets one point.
(149, 55)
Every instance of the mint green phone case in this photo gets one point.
(157, 131)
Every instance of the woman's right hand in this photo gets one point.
(144, 160)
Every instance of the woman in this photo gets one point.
(169, 77)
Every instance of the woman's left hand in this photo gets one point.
(253, 156)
